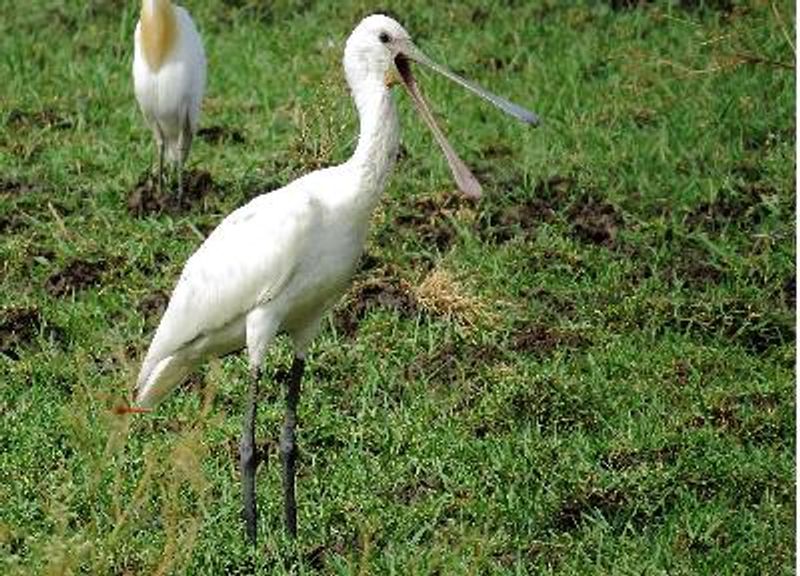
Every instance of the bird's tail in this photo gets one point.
(156, 383)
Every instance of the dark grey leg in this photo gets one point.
(180, 181)
(248, 458)
(160, 188)
(289, 448)
(159, 136)
(184, 144)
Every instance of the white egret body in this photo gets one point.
(169, 78)
(281, 261)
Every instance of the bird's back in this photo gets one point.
(283, 253)
(170, 89)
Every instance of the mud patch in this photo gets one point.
(691, 265)
(502, 224)
(757, 326)
(725, 7)
(417, 489)
(621, 460)
(11, 224)
(742, 207)
(386, 292)
(220, 135)
(606, 502)
(430, 219)
(541, 340)
(638, 505)
(790, 291)
(152, 307)
(19, 188)
(19, 327)
(145, 199)
(594, 221)
(552, 404)
(454, 361)
(76, 276)
(558, 305)
(46, 118)
(762, 418)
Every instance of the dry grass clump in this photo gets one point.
(442, 295)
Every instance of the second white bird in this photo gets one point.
(169, 78)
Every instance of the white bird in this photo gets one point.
(279, 263)
(169, 78)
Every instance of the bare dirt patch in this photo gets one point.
(607, 502)
(741, 207)
(691, 265)
(757, 326)
(542, 340)
(221, 134)
(44, 118)
(75, 276)
(388, 292)
(146, 200)
(594, 221)
(19, 328)
(18, 187)
(429, 219)
(452, 361)
(152, 306)
(500, 222)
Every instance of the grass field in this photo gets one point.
(611, 392)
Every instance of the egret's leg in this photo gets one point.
(248, 458)
(184, 145)
(159, 137)
(180, 180)
(160, 187)
(289, 448)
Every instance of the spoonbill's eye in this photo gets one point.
(384, 37)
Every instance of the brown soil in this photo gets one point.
(45, 118)
(595, 221)
(220, 135)
(75, 276)
(385, 292)
(145, 199)
(542, 340)
(19, 328)
(152, 306)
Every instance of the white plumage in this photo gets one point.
(276, 263)
(169, 78)
(281, 261)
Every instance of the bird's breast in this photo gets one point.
(159, 34)
(322, 279)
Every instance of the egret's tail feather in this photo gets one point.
(164, 377)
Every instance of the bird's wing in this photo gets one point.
(245, 261)
(194, 57)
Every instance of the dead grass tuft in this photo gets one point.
(442, 295)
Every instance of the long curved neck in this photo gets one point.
(378, 140)
(159, 31)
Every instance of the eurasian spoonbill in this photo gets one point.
(279, 263)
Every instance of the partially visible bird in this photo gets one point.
(279, 263)
(169, 78)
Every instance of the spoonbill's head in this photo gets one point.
(379, 50)
(372, 48)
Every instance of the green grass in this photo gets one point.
(612, 394)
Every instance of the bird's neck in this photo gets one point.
(159, 31)
(378, 140)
